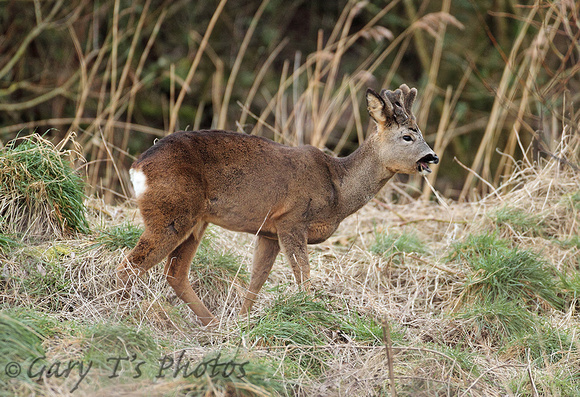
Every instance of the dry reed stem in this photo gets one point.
(389, 350)
(194, 65)
(222, 118)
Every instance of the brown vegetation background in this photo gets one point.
(497, 79)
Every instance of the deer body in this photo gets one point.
(288, 196)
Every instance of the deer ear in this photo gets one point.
(378, 109)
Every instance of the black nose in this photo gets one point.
(431, 159)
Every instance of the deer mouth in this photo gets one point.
(423, 163)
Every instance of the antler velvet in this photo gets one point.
(401, 100)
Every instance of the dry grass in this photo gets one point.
(58, 296)
(442, 345)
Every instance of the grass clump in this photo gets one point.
(572, 242)
(516, 331)
(496, 321)
(40, 194)
(310, 320)
(306, 322)
(504, 290)
(519, 220)
(215, 269)
(130, 353)
(478, 245)
(294, 319)
(106, 341)
(506, 274)
(543, 344)
(388, 245)
(513, 274)
(560, 382)
(125, 235)
(22, 333)
(570, 285)
(234, 373)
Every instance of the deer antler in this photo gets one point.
(401, 100)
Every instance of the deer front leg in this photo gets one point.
(293, 245)
(264, 257)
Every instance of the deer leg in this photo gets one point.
(163, 233)
(177, 274)
(293, 245)
(264, 257)
(152, 247)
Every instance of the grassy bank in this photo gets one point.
(479, 299)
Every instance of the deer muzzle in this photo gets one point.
(423, 163)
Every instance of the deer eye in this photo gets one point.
(408, 138)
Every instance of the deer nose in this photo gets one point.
(431, 158)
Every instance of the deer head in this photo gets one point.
(402, 146)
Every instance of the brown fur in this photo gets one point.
(288, 196)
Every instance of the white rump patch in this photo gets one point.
(139, 181)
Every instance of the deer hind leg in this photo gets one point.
(152, 247)
(293, 245)
(264, 257)
(177, 273)
(161, 236)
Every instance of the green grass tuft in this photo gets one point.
(559, 382)
(106, 340)
(571, 289)
(40, 191)
(216, 269)
(297, 319)
(502, 273)
(572, 242)
(543, 344)
(237, 374)
(387, 245)
(519, 220)
(120, 236)
(497, 321)
(474, 246)
(307, 321)
(46, 281)
(513, 274)
(22, 333)
(127, 352)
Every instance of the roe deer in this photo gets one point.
(287, 196)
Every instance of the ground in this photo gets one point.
(470, 299)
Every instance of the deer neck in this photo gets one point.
(364, 173)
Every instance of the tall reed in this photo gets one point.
(117, 61)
